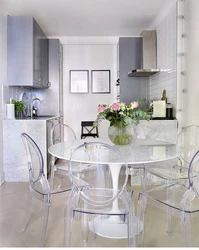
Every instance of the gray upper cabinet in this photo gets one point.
(56, 75)
(131, 88)
(27, 53)
(52, 97)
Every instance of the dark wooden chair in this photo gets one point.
(88, 129)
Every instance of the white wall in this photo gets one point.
(166, 57)
(83, 107)
(190, 98)
(3, 79)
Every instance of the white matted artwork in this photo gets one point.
(78, 81)
(101, 81)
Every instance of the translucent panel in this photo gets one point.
(188, 138)
(40, 187)
(62, 132)
(107, 169)
(103, 206)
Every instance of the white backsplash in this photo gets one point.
(46, 107)
(166, 59)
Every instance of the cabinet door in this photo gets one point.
(60, 80)
(37, 36)
(20, 51)
(44, 60)
(131, 88)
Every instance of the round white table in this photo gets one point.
(139, 152)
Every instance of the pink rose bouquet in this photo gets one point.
(120, 114)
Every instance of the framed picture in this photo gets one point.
(78, 81)
(101, 81)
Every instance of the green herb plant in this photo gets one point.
(19, 106)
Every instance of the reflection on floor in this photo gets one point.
(13, 201)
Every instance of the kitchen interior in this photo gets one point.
(148, 65)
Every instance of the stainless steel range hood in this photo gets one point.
(149, 55)
(143, 72)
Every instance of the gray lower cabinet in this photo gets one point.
(27, 53)
(14, 155)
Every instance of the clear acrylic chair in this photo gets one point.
(175, 170)
(60, 133)
(105, 207)
(179, 200)
(39, 187)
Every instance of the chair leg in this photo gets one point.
(170, 211)
(186, 228)
(92, 231)
(142, 201)
(131, 227)
(143, 179)
(170, 221)
(68, 217)
(27, 213)
(44, 221)
(52, 168)
(185, 218)
(84, 224)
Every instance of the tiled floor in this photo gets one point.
(13, 203)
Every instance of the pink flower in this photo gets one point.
(101, 108)
(115, 106)
(134, 105)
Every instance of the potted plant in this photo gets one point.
(19, 108)
(122, 117)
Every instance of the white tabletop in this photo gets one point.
(140, 151)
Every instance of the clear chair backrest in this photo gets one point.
(62, 132)
(193, 174)
(105, 164)
(35, 158)
(188, 138)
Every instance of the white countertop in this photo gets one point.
(39, 118)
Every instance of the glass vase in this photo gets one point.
(18, 114)
(121, 135)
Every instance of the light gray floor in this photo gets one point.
(13, 202)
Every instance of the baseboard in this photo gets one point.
(2, 178)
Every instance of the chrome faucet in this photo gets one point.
(31, 111)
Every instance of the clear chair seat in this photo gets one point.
(101, 195)
(177, 169)
(62, 166)
(171, 195)
(59, 184)
(176, 173)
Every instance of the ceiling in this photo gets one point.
(87, 17)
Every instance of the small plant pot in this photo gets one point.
(19, 114)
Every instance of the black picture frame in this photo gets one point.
(101, 81)
(79, 81)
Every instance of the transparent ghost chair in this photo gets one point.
(184, 202)
(175, 170)
(104, 208)
(39, 187)
(60, 133)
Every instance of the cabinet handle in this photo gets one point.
(49, 84)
